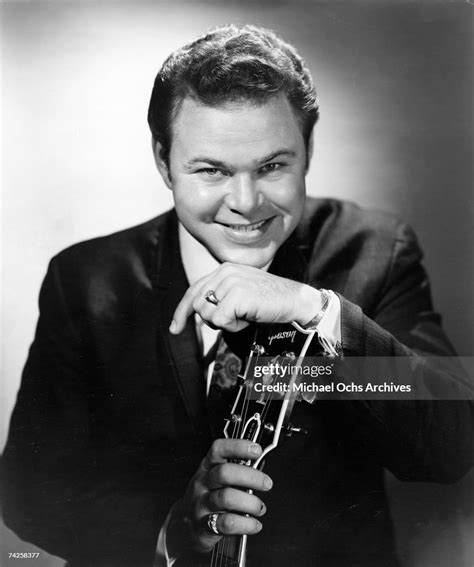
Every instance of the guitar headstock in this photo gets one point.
(267, 392)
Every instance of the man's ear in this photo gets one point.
(309, 151)
(161, 164)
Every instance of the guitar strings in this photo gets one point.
(224, 545)
(221, 551)
(229, 541)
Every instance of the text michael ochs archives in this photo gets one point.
(342, 387)
(364, 377)
(277, 378)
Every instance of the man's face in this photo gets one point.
(238, 177)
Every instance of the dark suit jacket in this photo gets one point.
(111, 423)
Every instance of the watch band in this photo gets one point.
(312, 325)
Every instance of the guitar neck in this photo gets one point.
(261, 417)
(231, 551)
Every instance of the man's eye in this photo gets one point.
(270, 167)
(211, 171)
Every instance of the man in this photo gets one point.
(110, 459)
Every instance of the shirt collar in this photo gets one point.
(197, 260)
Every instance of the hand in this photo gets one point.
(245, 295)
(219, 486)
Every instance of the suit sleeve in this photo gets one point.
(426, 439)
(61, 491)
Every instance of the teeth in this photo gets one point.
(246, 227)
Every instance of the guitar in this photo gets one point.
(262, 408)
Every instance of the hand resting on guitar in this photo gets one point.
(219, 485)
(245, 294)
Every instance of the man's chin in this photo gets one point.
(247, 257)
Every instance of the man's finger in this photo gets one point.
(232, 474)
(182, 312)
(235, 500)
(185, 306)
(223, 450)
(227, 524)
(220, 279)
(233, 524)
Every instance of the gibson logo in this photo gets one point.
(282, 335)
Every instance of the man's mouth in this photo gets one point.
(247, 233)
(246, 227)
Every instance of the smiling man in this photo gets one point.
(238, 176)
(238, 181)
(114, 457)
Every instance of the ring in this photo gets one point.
(211, 297)
(212, 523)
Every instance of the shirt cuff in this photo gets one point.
(162, 559)
(329, 328)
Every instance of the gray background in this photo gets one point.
(395, 86)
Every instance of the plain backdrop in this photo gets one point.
(395, 86)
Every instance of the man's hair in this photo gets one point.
(231, 64)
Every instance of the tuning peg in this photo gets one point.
(299, 430)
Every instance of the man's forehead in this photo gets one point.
(236, 126)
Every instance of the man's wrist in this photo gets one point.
(308, 305)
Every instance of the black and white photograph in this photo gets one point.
(237, 272)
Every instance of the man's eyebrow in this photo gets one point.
(278, 153)
(208, 160)
(224, 165)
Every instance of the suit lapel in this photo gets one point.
(183, 349)
(290, 261)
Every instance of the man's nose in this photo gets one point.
(243, 196)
